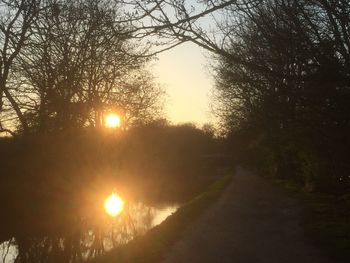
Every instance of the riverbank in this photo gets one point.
(325, 220)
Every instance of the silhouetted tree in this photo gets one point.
(79, 62)
(17, 18)
(293, 84)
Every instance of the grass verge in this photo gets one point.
(325, 220)
(151, 247)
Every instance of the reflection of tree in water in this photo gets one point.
(7, 249)
(85, 242)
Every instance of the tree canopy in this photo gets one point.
(66, 63)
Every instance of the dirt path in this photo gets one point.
(253, 222)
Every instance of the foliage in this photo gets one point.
(284, 75)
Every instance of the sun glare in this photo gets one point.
(112, 121)
(114, 205)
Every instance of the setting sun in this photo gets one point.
(114, 205)
(112, 120)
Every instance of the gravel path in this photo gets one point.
(253, 221)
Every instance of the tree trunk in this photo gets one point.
(15, 106)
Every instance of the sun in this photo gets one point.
(112, 120)
(114, 205)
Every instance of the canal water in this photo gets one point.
(90, 239)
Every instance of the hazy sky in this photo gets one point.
(183, 73)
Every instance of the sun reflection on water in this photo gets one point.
(129, 219)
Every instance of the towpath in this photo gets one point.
(254, 221)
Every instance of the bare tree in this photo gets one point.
(17, 18)
(138, 98)
(81, 63)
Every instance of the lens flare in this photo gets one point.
(114, 205)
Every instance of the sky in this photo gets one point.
(183, 73)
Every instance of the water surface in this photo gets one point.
(89, 239)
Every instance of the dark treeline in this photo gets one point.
(287, 99)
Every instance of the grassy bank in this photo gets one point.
(327, 223)
(326, 220)
(152, 246)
